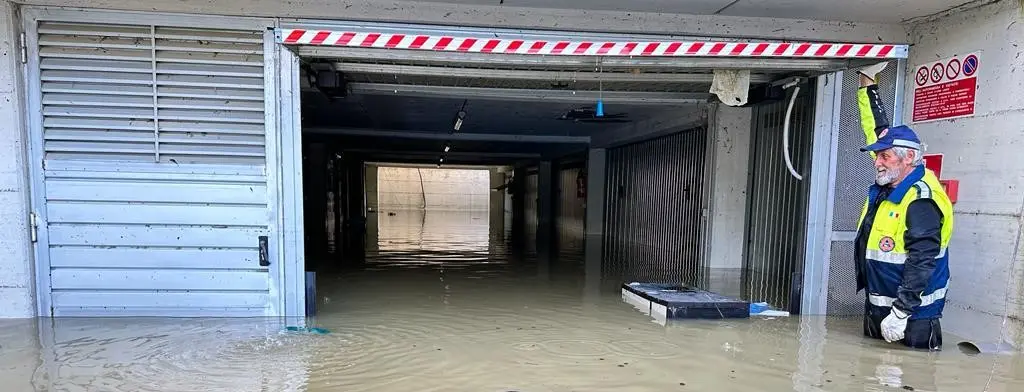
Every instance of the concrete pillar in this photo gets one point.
(506, 194)
(17, 281)
(496, 204)
(545, 207)
(729, 161)
(371, 188)
(594, 225)
(372, 207)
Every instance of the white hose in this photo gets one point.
(785, 135)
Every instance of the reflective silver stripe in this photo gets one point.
(886, 257)
(907, 143)
(894, 257)
(923, 190)
(881, 300)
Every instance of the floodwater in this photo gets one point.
(443, 304)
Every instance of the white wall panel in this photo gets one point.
(144, 214)
(102, 279)
(156, 191)
(151, 257)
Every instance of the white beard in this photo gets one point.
(887, 176)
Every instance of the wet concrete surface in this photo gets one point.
(442, 305)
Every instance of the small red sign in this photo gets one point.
(933, 162)
(947, 90)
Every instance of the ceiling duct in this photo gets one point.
(323, 77)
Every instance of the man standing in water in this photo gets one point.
(904, 229)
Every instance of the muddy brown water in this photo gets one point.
(444, 307)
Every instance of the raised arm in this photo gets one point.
(873, 118)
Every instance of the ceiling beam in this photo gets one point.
(521, 74)
(458, 136)
(449, 155)
(580, 62)
(530, 95)
(433, 165)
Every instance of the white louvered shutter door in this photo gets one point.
(154, 146)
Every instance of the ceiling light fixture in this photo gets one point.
(460, 116)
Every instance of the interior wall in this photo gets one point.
(438, 189)
(319, 212)
(654, 227)
(777, 201)
(983, 153)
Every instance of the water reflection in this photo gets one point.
(447, 307)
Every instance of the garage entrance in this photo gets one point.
(185, 170)
(544, 105)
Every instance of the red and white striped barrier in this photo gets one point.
(589, 48)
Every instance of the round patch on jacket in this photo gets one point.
(886, 244)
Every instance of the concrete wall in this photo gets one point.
(16, 270)
(406, 188)
(509, 15)
(984, 153)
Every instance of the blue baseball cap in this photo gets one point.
(898, 136)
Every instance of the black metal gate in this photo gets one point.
(654, 229)
(777, 202)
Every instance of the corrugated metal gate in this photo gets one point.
(655, 196)
(571, 211)
(153, 142)
(777, 202)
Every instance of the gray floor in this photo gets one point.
(443, 304)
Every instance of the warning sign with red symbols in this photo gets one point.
(946, 88)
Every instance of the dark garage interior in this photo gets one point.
(537, 130)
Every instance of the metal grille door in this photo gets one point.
(153, 149)
(777, 202)
(655, 195)
(854, 174)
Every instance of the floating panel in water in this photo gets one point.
(665, 301)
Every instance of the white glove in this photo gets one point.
(872, 71)
(894, 325)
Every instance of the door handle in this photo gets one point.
(264, 253)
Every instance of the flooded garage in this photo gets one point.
(442, 301)
(295, 205)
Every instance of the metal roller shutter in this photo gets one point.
(154, 169)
